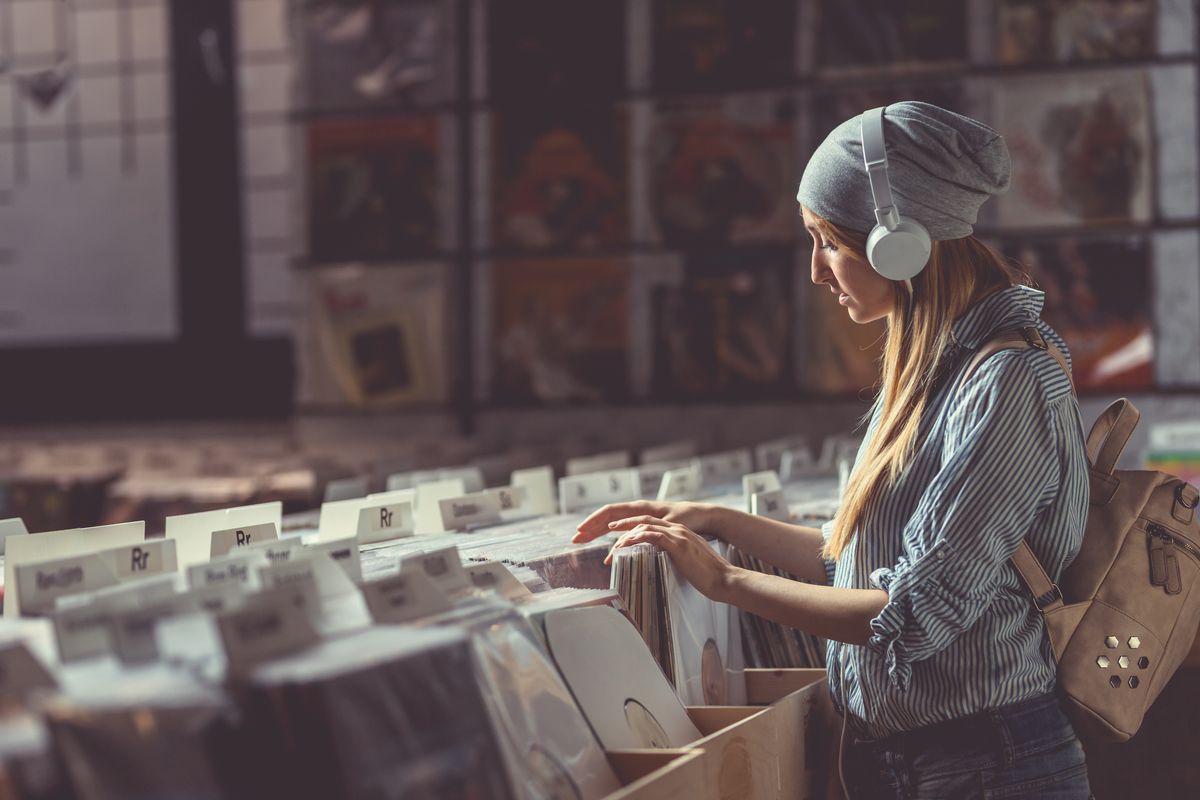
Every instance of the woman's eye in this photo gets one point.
(830, 247)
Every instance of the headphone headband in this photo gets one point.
(875, 157)
(897, 247)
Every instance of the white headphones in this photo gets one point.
(897, 247)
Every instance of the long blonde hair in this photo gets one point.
(960, 273)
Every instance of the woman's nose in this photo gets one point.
(820, 273)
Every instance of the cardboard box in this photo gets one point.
(807, 730)
(657, 774)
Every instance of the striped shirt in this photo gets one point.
(999, 459)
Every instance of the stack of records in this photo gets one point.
(696, 641)
(770, 645)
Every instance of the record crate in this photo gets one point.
(807, 730)
(657, 774)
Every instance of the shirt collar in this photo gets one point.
(1008, 308)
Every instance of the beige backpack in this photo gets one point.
(1126, 610)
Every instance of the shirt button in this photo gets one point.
(940, 554)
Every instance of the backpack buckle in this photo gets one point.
(1049, 598)
(1033, 337)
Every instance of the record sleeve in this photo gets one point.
(1082, 151)
(1038, 31)
(721, 170)
(886, 34)
(375, 189)
(616, 682)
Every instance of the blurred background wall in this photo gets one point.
(530, 220)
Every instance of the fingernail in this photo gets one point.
(612, 524)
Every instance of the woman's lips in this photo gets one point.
(843, 298)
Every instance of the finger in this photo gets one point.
(596, 524)
(631, 522)
(630, 539)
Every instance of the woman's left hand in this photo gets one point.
(691, 554)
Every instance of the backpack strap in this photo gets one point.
(1046, 594)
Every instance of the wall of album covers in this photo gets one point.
(632, 234)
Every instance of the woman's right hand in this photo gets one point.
(625, 516)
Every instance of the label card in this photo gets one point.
(726, 467)
(344, 553)
(771, 505)
(769, 455)
(428, 505)
(240, 569)
(758, 483)
(596, 489)
(11, 527)
(277, 551)
(601, 462)
(21, 672)
(339, 520)
(795, 464)
(497, 577)
(380, 523)
(128, 594)
(682, 450)
(444, 567)
(513, 502)
(680, 484)
(225, 541)
(82, 632)
(193, 532)
(403, 598)
(538, 483)
(650, 475)
(41, 583)
(61, 544)
(272, 624)
(327, 578)
(460, 513)
(151, 557)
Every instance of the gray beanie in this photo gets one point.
(941, 165)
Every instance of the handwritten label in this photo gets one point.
(758, 483)
(538, 483)
(444, 567)
(601, 462)
(726, 467)
(480, 508)
(680, 484)
(277, 551)
(403, 598)
(239, 569)
(229, 539)
(274, 623)
(589, 491)
(380, 523)
(497, 577)
(21, 672)
(344, 553)
(42, 583)
(771, 505)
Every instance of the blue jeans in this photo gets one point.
(1027, 750)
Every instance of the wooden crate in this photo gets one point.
(657, 774)
(741, 753)
(807, 730)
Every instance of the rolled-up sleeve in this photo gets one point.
(999, 467)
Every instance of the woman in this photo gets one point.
(936, 652)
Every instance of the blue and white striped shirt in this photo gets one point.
(998, 460)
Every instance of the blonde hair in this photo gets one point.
(960, 273)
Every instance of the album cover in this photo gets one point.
(559, 180)
(725, 329)
(372, 336)
(1038, 31)
(722, 170)
(373, 189)
(1099, 299)
(560, 330)
(543, 51)
(831, 108)
(884, 34)
(375, 53)
(1082, 150)
(722, 44)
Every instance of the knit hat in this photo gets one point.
(941, 165)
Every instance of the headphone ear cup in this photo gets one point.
(900, 253)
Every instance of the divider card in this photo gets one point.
(680, 484)
(61, 544)
(461, 513)
(758, 483)
(444, 567)
(601, 462)
(768, 455)
(385, 521)
(513, 502)
(42, 583)
(340, 518)
(538, 483)
(193, 532)
(650, 475)
(403, 598)
(772, 505)
(497, 577)
(596, 489)
(428, 505)
(726, 467)
(11, 527)
(344, 553)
